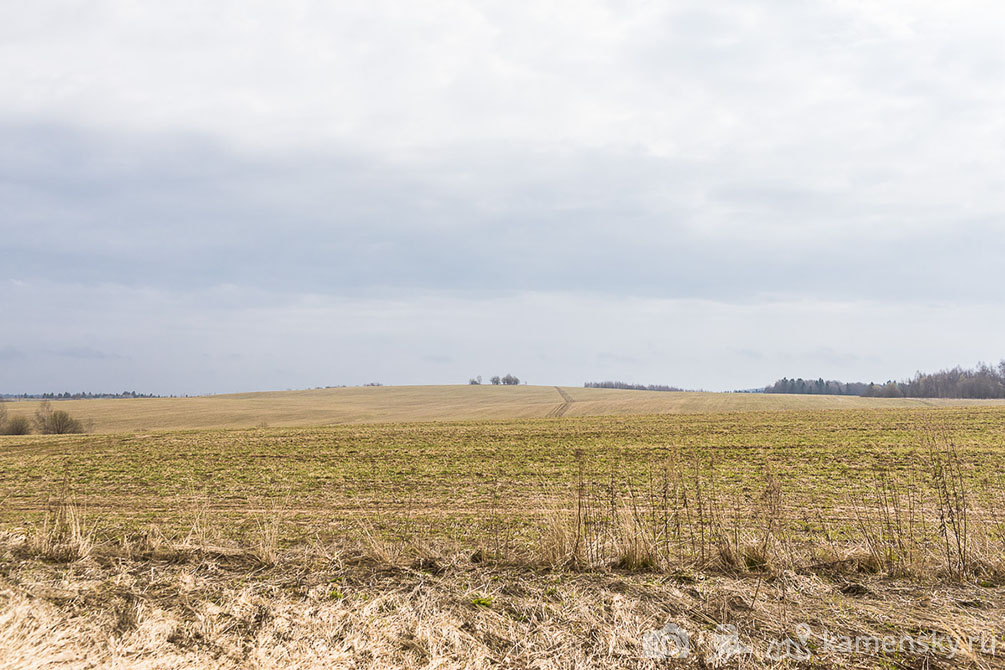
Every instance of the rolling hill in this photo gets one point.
(433, 403)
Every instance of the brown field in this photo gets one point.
(435, 403)
(527, 541)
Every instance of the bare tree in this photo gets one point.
(51, 421)
(496, 381)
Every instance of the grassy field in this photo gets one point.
(435, 403)
(451, 474)
(530, 542)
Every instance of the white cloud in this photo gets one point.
(641, 159)
(682, 78)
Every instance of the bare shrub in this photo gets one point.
(891, 523)
(953, 499)
(16, 425)
(12, 425)
(51, 421)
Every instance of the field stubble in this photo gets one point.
(843, 518)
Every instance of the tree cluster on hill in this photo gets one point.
(630, 387)
(983, 381)
(508, 380)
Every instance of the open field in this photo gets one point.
(449, 475)
(436, 403)
(536, 542)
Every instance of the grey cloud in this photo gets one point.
(10, 354)
(609, 357)
(180, 212)
(69, 352)
(86, 353)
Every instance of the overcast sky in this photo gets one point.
(209, 197)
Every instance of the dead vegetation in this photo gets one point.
(148, 602)
(62, 537)
(683, 517)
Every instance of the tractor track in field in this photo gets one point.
(561, 409)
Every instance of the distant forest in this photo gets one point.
(630, 387)
(983, 381)
(77, 396)
(818, 387)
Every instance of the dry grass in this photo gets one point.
(62, 537)
(683, 517)
(339, 606)
(433, 403)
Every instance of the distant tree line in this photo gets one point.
(83, 395)
(983, 381)
(630, 387)
(817, 386)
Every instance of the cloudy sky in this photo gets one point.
(209, 197)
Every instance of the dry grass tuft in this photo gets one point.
(63, 536)
(265, 542)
